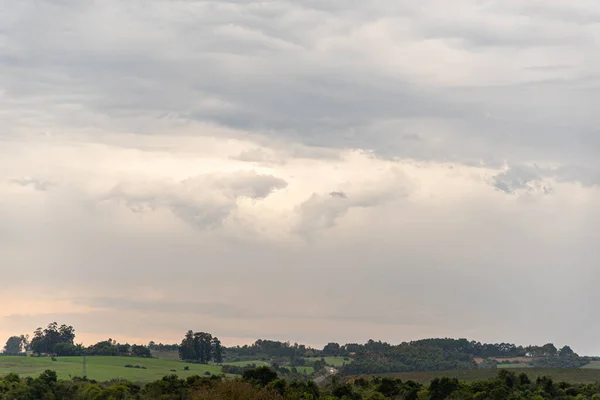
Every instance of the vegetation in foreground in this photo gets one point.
(571, 375)
(263, 383)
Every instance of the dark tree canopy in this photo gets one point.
(45, 340)
(200, 347)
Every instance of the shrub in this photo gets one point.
(186, 368)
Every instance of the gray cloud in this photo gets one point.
(341, 195)
(125, 157)
(320, 213)
(519, 178)
(222, 66)
(203, 201)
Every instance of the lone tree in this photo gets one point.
(15, 345)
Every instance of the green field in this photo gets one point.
(167, 355)
(573, 375)
(337, 361)
(332, 361)
(513, 366)
(304, 370)
(103, 368)
(258, 363)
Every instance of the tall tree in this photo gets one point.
(203, 347)
(187, 351)
(217, 350)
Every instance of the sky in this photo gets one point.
(311, 171)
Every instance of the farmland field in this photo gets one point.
(513, 366)
(103, 368)
(258, 363)
(337, 361)
(592, 365)
(573, 375)
(333, 361)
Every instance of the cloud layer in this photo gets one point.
(311, 171)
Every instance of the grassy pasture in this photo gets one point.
(332, 361)
(103, 368)
(513, 366)
(258, 363)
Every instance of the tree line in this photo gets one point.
(451, 354)
(58, 340)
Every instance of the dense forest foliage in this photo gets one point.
(265, 384)
(451, 354)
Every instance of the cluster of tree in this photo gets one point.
(201, 347)
(162, 347)
(559, 362)
(53, 340)
(270, 349)
(59, 340)
(110, 347)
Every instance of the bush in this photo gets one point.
(186, 368)
(128, 366)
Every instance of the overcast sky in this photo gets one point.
(312, 171)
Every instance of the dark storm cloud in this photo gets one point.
(260, 67)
